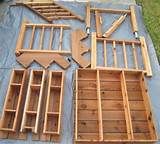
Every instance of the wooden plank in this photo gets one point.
(93, 51)
(60, 38)
(32, 37)
(145, 56)
(114, 26)
(41, 38)
(98, 24)
(51, 39)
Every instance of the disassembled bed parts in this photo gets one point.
(115, 25)
(78, 48)
(50, 10)
(112, 106)
(41, 54)
(134, 46)
(42, 106)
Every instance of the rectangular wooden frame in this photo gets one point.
(32, 108)
(141, 43)
(13, 105)
(112, 106)
(20, 49)
(98, 11)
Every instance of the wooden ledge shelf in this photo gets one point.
(117, 111)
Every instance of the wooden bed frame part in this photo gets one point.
(116, 24)
(134, 44)
(51, 11)
(39, 112)
(44, 56)
(112, 106)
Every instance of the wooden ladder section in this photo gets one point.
(12, 111)
(125, 45)
(51, 11)
(112, 106)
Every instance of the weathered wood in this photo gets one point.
(78, 48)
(45, 60)
(93, 51)
(114, 26)
(39, 8)
(133, 19)
(88, 16)
(110, 108)
(98, 24)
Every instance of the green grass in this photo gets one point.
(151, 14)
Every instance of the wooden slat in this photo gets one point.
(60, 38)
(135, 56)
(41, 38)
(114, 54)
(98, 24)
(105, 53)
(51, 39)
(125, 55)
(100, 121)
(94, 51)
(32, 38)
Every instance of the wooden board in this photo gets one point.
(135, 45)
(78, 48)
(112, 106)
(51, 10)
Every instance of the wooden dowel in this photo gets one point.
(51, 39)
(100, 120)
(98, 24)
(41, 38)
(60, 38)
(135, 56)
(105, 53)
(114, 54)
(32, 37)
(125, 55)
(94, 51)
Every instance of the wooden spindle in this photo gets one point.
(125, 55)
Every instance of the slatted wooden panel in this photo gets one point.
(13, 105)
(43, 28)
(121, 44)
(51, 10)
(32, 108)
(112, 106)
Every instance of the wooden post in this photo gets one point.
(88, 14)
(94, 51)
(145, 56)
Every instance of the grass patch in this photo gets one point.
(151, 14)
